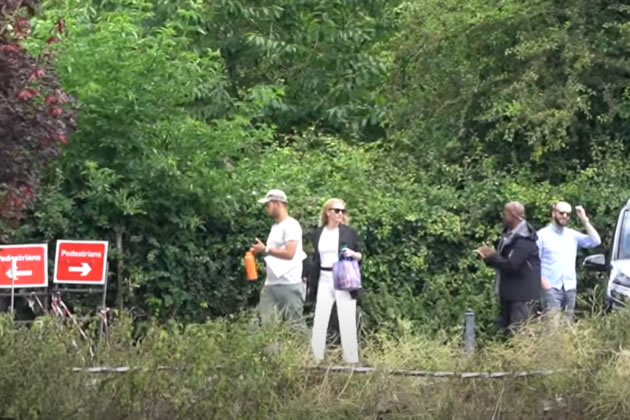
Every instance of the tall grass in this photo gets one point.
(224, 370)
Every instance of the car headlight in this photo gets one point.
(622, 280)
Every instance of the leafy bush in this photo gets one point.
(36, 117)
(173, 147)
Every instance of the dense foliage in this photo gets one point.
(425, 116)
(35, 115)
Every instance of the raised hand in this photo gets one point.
(581, 213)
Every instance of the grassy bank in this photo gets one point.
(222, 370)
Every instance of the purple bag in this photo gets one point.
(347, 275)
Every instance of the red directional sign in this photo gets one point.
(23, 265)
(81, 262)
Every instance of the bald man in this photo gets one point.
(517, 264)
(558, 245)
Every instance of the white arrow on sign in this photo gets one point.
(13, 273)
(84, 269)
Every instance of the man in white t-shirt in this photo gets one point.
(283, 291)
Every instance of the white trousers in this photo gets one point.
(346, 314)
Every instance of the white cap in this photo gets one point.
(274, 195)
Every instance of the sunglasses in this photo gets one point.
(339, 210)
(564, 213)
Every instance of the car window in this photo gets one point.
(624, 240)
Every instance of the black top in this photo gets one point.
(347, 237)
(518, 265)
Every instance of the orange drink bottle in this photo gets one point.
(250, 266)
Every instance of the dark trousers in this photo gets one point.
(513, 315)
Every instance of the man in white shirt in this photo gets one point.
(558, 245)
(283, 291)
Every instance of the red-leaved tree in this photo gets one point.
(36, 116)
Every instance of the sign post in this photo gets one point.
(13, 275)
(83, 262)
(103, 312)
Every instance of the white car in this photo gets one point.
(618, 266)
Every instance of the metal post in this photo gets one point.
(13, 275)
(103, 304)
(469, 332)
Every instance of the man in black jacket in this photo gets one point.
(517, 264)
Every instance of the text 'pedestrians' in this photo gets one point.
(9, 258)
(81, 254)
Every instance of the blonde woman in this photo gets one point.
(331, 239)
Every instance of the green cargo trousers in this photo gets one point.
(284, 301)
